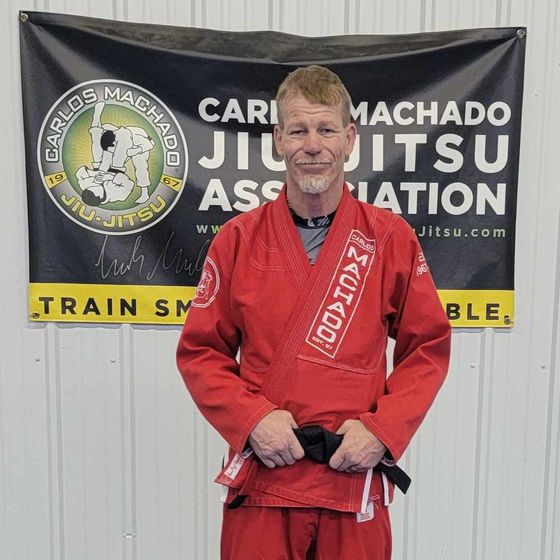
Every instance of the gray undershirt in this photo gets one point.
(312, 239)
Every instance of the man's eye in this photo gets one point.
(296, 132)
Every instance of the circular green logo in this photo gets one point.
(112, 157)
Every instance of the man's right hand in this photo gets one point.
(273, 440)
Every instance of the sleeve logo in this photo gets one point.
(208, 285)
(422, 266)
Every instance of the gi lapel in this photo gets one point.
(311, 283)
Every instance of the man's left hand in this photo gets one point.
(359, 451)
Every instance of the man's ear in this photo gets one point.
(278, 139)
(351, 132)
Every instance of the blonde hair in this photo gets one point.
(318, 85)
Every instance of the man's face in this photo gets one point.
(314, 143)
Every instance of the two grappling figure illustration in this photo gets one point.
(112, 147)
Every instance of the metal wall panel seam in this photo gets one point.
(502, 10)
(197, 480)
(543, 122)
(414, 508)
(479, 502)
(498, 18)
(222, 16)
(128, 435)
(205, 470)
(202, 14)
(379, 21)
(20, 511)
(4, 469)
(270, 15)
(519, 11)
(529, 146)
(354, 13)
(422, 15)
(545, 126)
(17, 160)
(508, 13)
(433, 16)
(194, 12)
(465, 350)
(352, 25)
(409, 509)
(81, 460)
(408, 466)
(532, 422)
(552, 450)
(55, 447)
(400, 19)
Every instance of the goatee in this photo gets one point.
(313, 184)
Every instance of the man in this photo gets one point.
(309, 287)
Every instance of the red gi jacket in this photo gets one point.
(312, 340)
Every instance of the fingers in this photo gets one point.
(292, 453)
(278, 460)
(267, 462)
(279, 455)
(344, 460)
(346, 464)
(272, 461)
(293, 423)
(344, 427)
(356, 469)
(337, 460)
(296, 450)
(274, 441)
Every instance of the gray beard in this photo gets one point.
(313, 184)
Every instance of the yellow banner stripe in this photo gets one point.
(92, 303)
(172, 182)
(479, 308)
(168, 305)
(55, 179)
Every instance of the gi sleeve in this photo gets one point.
(207, 350)
(417, 322)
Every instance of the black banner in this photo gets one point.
(142, 140)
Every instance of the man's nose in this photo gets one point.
(312, 143)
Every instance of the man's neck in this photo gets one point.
(314, 205)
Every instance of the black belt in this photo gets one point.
(319, 446)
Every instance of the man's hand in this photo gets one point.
(273, 440)
(359, 451)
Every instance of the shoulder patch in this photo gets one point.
(208, 285)
(422, 264)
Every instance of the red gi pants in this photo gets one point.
(277, 533)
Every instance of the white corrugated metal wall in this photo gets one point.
(102, 454)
